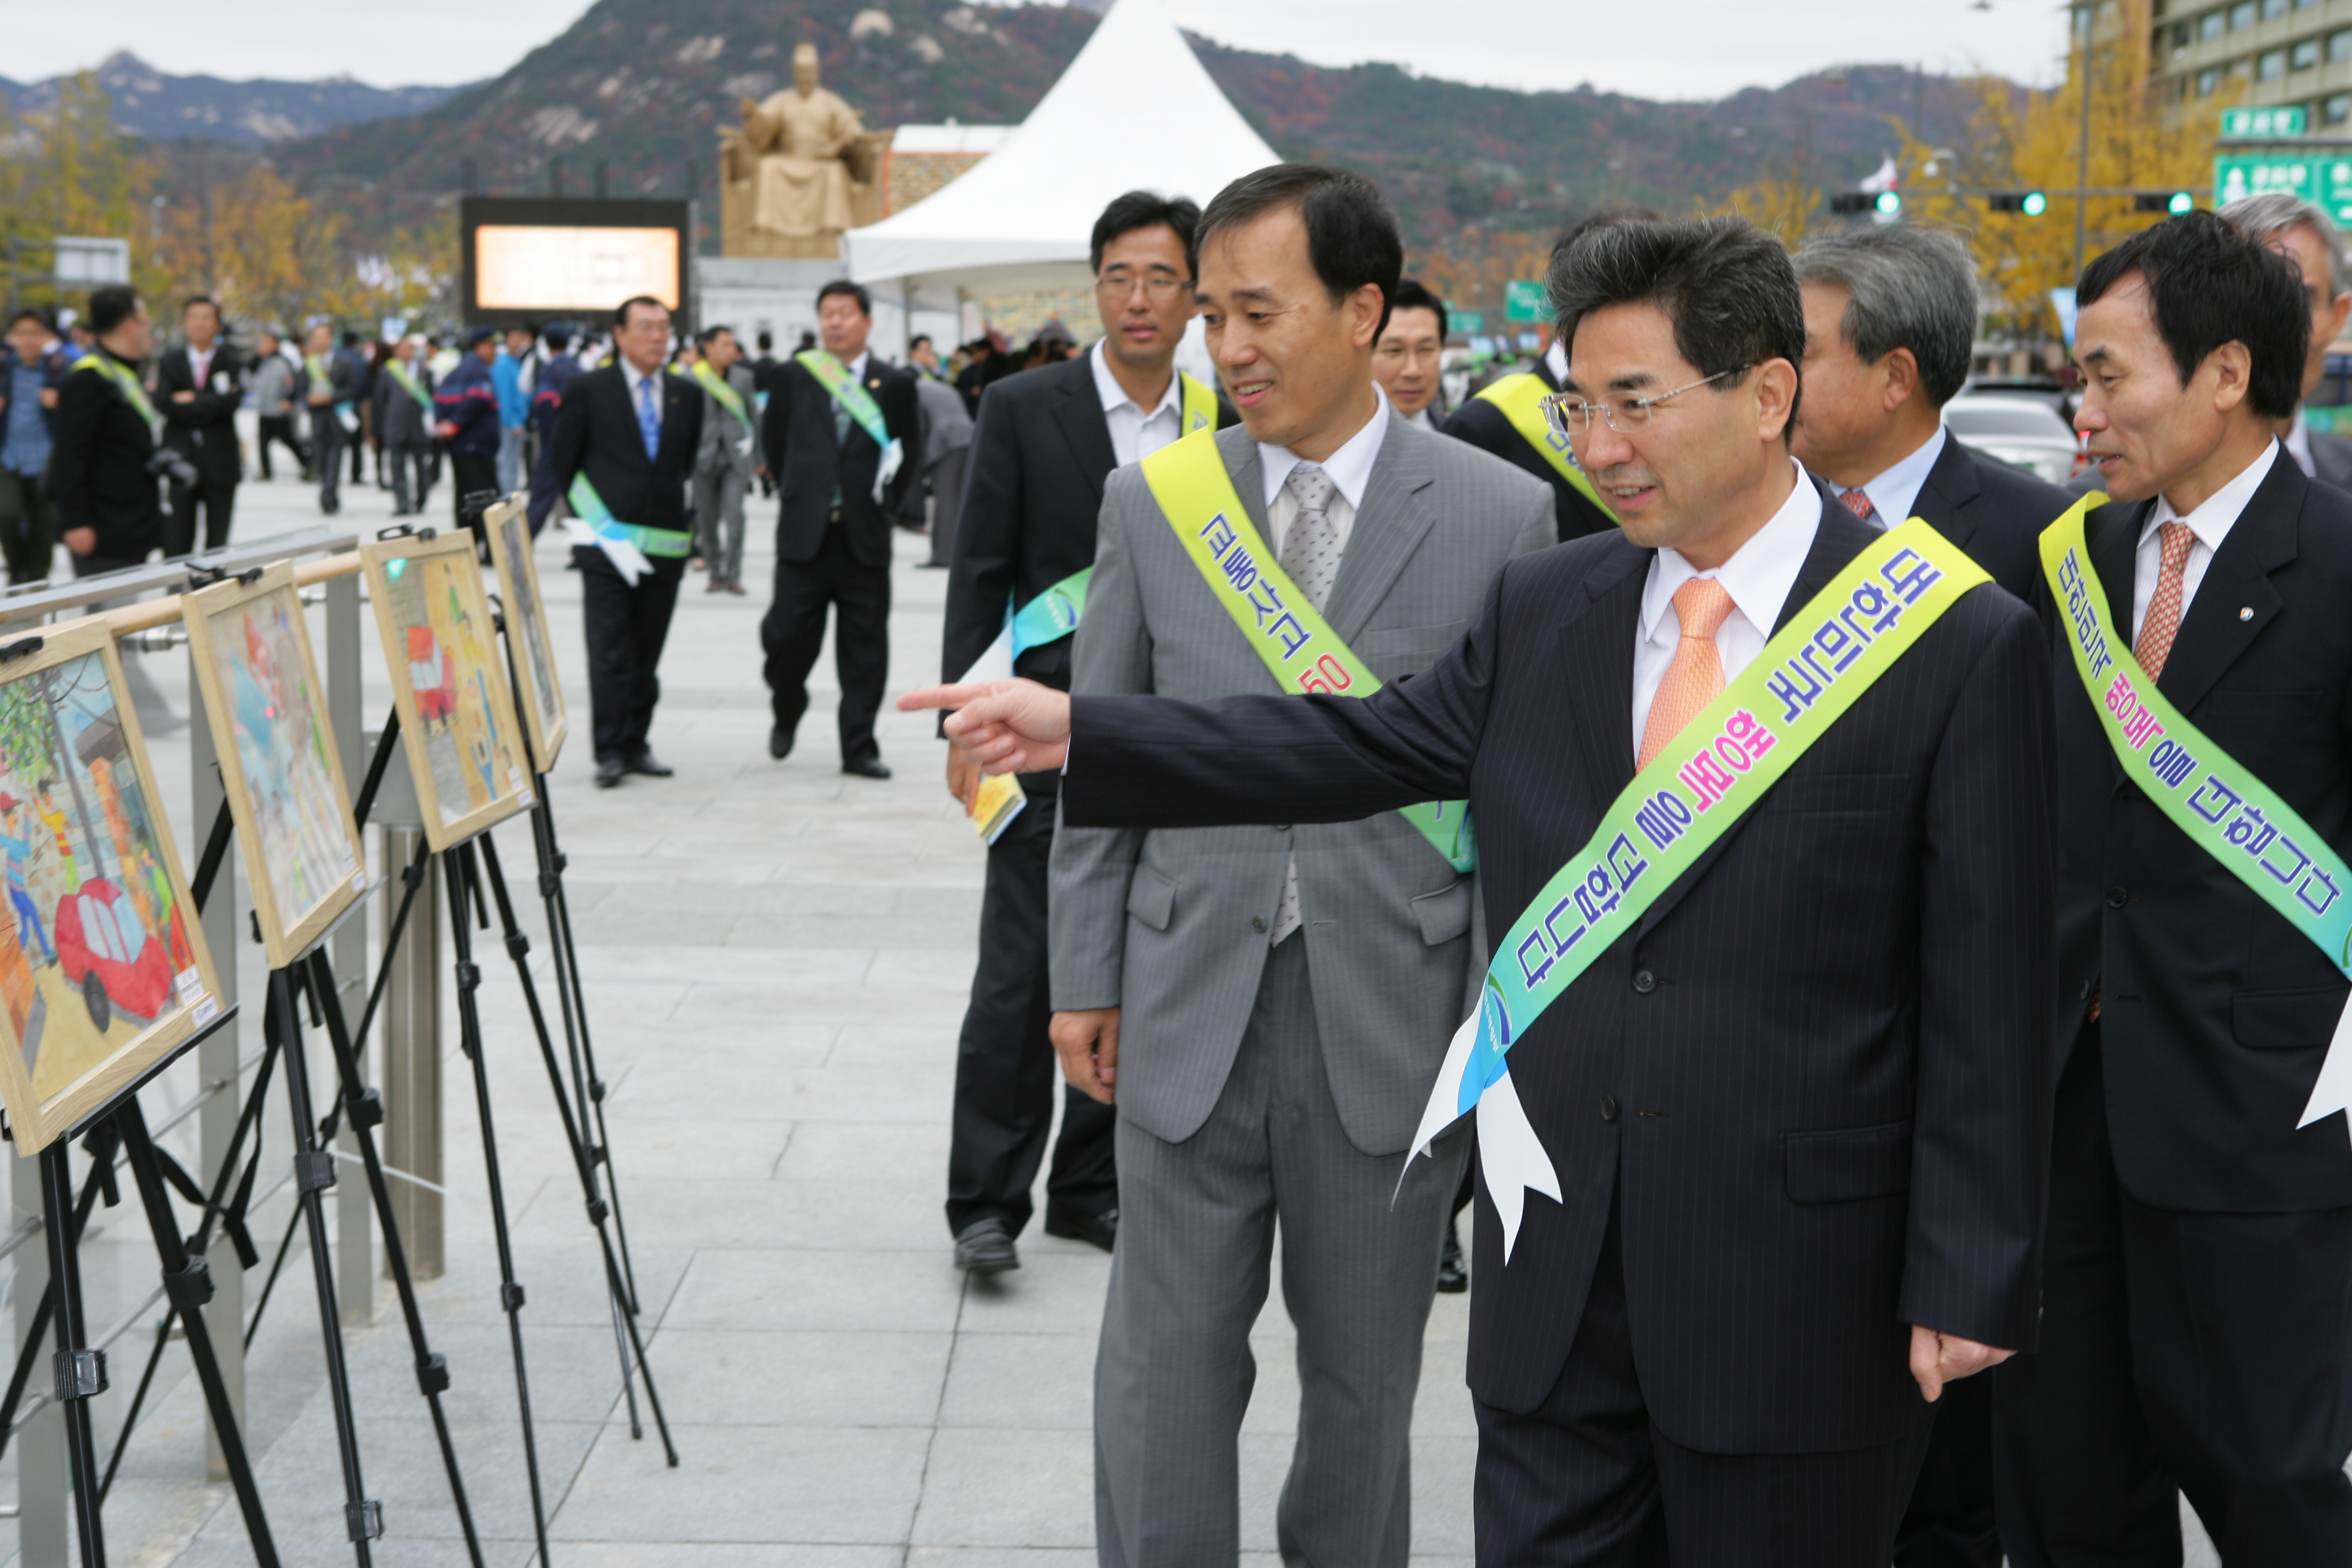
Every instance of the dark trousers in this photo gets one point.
(1951, 1521)
(793, 632)
(279, 428)
(1587, 1480)
(1005, 1066)
(627, 627)
(2209, 1353)
(472, 472)
(327, 440)
(216, 498)
(28, 526)
(406, 460)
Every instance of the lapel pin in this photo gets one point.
(2246, 612)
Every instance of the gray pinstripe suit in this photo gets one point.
(1258, 1084)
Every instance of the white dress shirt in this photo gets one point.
(1349, 469)
(635, 380)
(2298, 443)
(1759, 577)
(2210, 524)
(1134, 432)
(1895, 492)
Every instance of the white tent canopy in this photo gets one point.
(1135, 111)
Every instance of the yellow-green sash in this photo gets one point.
(1200, 406)
(1521, 397)
(1188, 478)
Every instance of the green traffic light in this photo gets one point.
(2181, 202)
(2035, 205)
(1890, 203)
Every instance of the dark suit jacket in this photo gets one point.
(1814, 1081)
(1483, 425)
(2331, 458)
(1033, 489)
(809, 463)
(97, 467)
(205, 428)
(1992, 510)
(596, 434)
(2215, 1013)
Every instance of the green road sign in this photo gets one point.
(2260, 122)
(1471, 322)
(2325, 180)
(2332, 188)
(1523, 300)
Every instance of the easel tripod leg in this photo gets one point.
(80, 1372)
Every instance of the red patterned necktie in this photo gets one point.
(1857, 502)
(2163, 622)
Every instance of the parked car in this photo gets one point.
(2024, 432)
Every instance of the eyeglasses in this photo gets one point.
(1572, 416)
(1118, 285)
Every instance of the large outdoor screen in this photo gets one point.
(530, 258)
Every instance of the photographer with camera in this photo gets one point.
(104, 463)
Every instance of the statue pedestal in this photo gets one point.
(755, 294)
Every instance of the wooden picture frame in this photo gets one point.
(96, 923)
(541, 693)
(252, 659)
(465, 750)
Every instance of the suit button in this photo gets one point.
(2117, 897)
(1257, 923)
(1645, 981)
(1608, 1108)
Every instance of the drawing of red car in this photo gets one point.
(105, 952)
(431, 676)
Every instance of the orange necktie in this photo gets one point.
(2163, 622)
(1694, 678)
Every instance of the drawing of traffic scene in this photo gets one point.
(281, 749)
(448, 670)
(97, 948)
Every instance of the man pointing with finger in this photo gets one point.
(1761, 1064)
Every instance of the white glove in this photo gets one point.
(626, 558)
(892, 455)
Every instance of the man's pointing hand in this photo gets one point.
(1006, 726)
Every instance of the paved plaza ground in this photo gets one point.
(776, 962)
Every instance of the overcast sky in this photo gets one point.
(1688, 48)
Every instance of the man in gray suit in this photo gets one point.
(1270, 1006)
(728, 457)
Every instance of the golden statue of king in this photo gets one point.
(798, 172)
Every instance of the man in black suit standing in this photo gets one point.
(842, 438)
(1890, 314)
(1047, 439)
(1795, 1115)
(197, 390)
(2197, 1321)
(100, 461)
(622, 456)
(1504, 418)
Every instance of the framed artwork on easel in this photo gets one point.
(103, 970)
(285, 783)
(541, 694)
(456, 717)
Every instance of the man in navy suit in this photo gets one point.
(631, 431)
(1797, 1114)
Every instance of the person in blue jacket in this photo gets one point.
(465, 405)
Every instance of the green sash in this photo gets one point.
(1052, 615)
(1188, 478)
(408, 384)
(1200, 406)
(1521, 397)
(843, 389)
(1049, 617)
(728, 398)
(321, 376)
(107, 365)
(590, 508)
(2224, 808)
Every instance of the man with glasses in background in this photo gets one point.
(1406, 361)
(1047, 443)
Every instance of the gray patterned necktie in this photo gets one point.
(1310, 557)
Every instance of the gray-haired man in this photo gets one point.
(2305, 234)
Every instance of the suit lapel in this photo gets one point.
(1950, 485)
(2114, 538)
(1397, 514)
(2236, 601)
(1249, 474)
(1596, 650)
(1079, 416)
(1837, 540)
(675, 391)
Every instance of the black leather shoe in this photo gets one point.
(984, 1247)
(608, 772)
(1095, 1229)
(1453, 1276)
(871, 768)
(653, 767)
(780, 743)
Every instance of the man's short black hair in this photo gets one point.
(559, 337)
(1727, 287)
(767, 340)
(620, 316)
(1352, 237)
(192, 301)
(2209, 285)
(1412, 294)
(922, 338)
(855, 291)
(36, 314)
(708, 335)
(1146, 209)
(111, 307)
